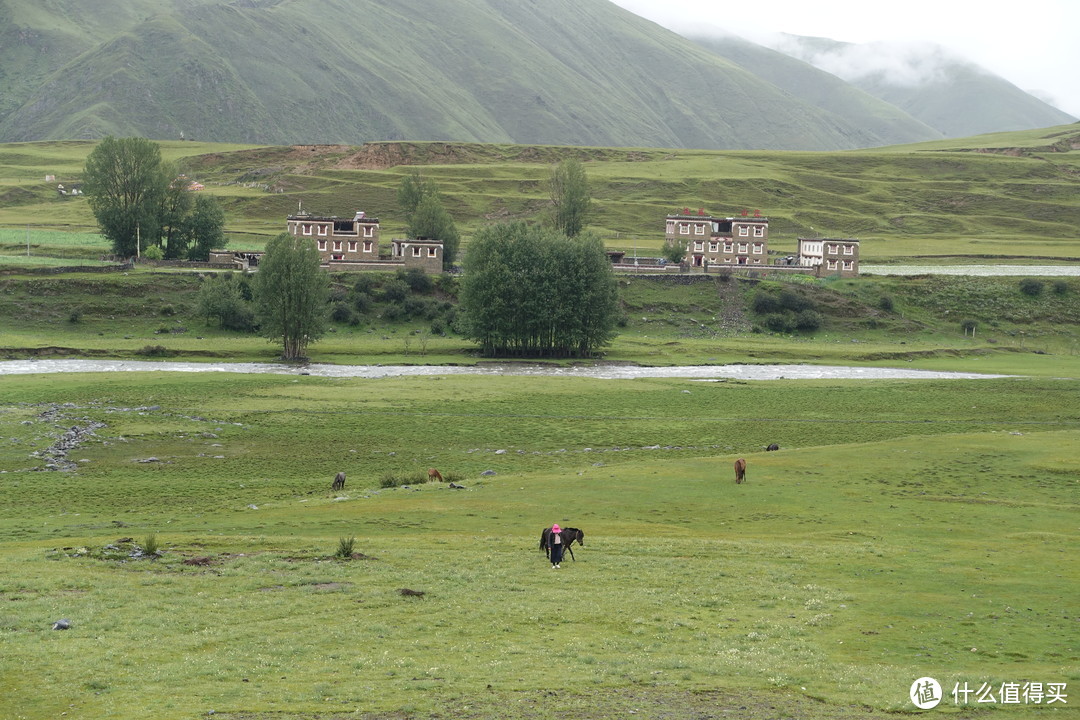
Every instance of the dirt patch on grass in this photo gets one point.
(613, 704)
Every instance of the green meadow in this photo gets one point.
(905, 529)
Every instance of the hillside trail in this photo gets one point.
(731, 319)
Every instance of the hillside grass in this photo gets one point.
(1011, 195)
(906, 528)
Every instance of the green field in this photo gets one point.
(1006, 195)
(905, 529)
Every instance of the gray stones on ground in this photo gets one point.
(61, 624)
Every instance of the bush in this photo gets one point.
(1060, 287)
(75, 316)
(395, 291)
(154, 351)
(345, 548)
(764, 303)
(809, 320)
(167, 310)
(781, 322)
(886, 303)
(362, 302)
(154, 252)
(438, 327)
(417, 280)
(150, 546)
(365, 283)
(1031, 287)
(342, 313)
(791, 300)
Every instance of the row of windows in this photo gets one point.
(759, 248)
(848, 264)
(835, 249)
(307, 229)
(744, 230)
(368, 245)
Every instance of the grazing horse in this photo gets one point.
(740, 471)
(339, 482)
(569, 535)
(774, 446)
(433, 474)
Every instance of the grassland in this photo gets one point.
(1008, 195)
(905, 529)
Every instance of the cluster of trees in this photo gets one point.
(143, 205)
(531, 291)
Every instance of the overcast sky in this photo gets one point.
(1034, 44)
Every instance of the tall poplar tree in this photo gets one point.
(291, 293)
(570, 199)
(126, 182)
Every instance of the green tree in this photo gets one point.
(570, 199)
(222, 298)
(203, 229)
(125, 182)
(414, 187)
(176, 204)
(530, 292)
(431, 220)
(291, 293)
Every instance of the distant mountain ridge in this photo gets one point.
(560, 72)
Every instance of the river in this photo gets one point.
(603, 371)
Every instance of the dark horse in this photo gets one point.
(339, 482)
(569, 535)
(740, 470)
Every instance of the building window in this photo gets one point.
(744, 231)
(848, 265)
(307, 229)
(416, 251)
(699, 246)
(322, 229)
(830, 264)
(352, 246)
(322, 245)
(743, 247)
(833, 249)
(367, 246)
(337, 245)
(759, 231)
(758, 247)
(369, 231)
(433, 252)
(729, 247)
(699, 229)
(713, 247)
(849, 249)
(684, 228)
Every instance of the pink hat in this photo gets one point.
(555, 528)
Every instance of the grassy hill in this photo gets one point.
(559, 72)
(1005, 194)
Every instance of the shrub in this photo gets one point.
(1060, 287)
(338, 294)
(75, 316)
(886, 303)
(438, 327)
(969, 326)
(393, 313)
(342, 313)
(791, 300)
(417, 280)
(808, 320)
(781, 322)
(167, 310)
(395, 291)
(365, 283)
(154, 252)
(362, 302)
(154, 351)
(345, 548)
(1031, 287)
(764, 303)
(150, 545)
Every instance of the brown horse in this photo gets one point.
(569, 535)
(339, 482)
(740, 471)
(433, 474)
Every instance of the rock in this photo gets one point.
(488, 472)
(61, 624)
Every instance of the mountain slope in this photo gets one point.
(574, 72)
(818, 88)
(948, 93)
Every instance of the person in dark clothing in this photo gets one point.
(555, 545)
